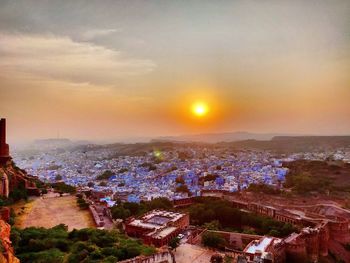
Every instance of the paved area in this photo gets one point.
(187, 253)
(51, 210)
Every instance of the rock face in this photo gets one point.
(6, 250)
(12, 177)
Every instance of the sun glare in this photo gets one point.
(200, 109)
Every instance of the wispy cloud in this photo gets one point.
(96, 33)
(62, 58)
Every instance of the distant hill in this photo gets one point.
(52, 141)
(287, 144)
(220, 137)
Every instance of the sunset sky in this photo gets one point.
(110, 70)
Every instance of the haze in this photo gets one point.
(106, 70)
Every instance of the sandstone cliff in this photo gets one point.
(12, 177)
(6, 249)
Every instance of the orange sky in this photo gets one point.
(121, 69)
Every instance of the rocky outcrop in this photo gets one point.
(6, 250)
(12, 177)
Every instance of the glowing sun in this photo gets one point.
(200, 109)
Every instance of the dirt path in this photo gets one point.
(52, 210)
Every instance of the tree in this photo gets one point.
(82, 203)
(213, 225)
(216, 259)
(174, 243)
(213, 240)
(182, 189)
(90, 184)
(105, 175)
(119, 212)
(57, 245)
(62, 187)
(228, 259)
(160, 203)
(180, 180)
(58, 177)
(103, 184)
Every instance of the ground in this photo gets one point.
(51, 210)
(187, 253)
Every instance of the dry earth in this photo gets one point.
(51, 210)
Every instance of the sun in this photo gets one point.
(200, 109)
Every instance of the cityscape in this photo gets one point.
(174, 131)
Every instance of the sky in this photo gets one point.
(115, 70)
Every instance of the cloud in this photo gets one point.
(95, 33)
(62, 58)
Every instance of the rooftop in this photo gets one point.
(259, 245)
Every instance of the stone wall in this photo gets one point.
(161, 257)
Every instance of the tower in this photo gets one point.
(4, 148)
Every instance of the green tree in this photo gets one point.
(119, 212)
(105, 175)
(213, 225)
(213, 240)
(58, 177)
(174, 243)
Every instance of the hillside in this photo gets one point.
(319, 176)
(288, 144)
(219, 137)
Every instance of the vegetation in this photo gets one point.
(82, 203)
(216, 259)
(220, 214)
(174, 243)
(150, 166)
(318, 176)
(209, 177)
(102, 184)
(183, 189)
(213, 225)
(18, 193)
(124, 210)
(86, 245)
(228, 259)
(58, 177)
(62, 187)
(105, 175)
(213, 240)
(180, 180)
(263, 188)
(123, 170)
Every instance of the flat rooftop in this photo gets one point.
(259, 246)
(156, 219)
(164, 232)
(159, 220)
